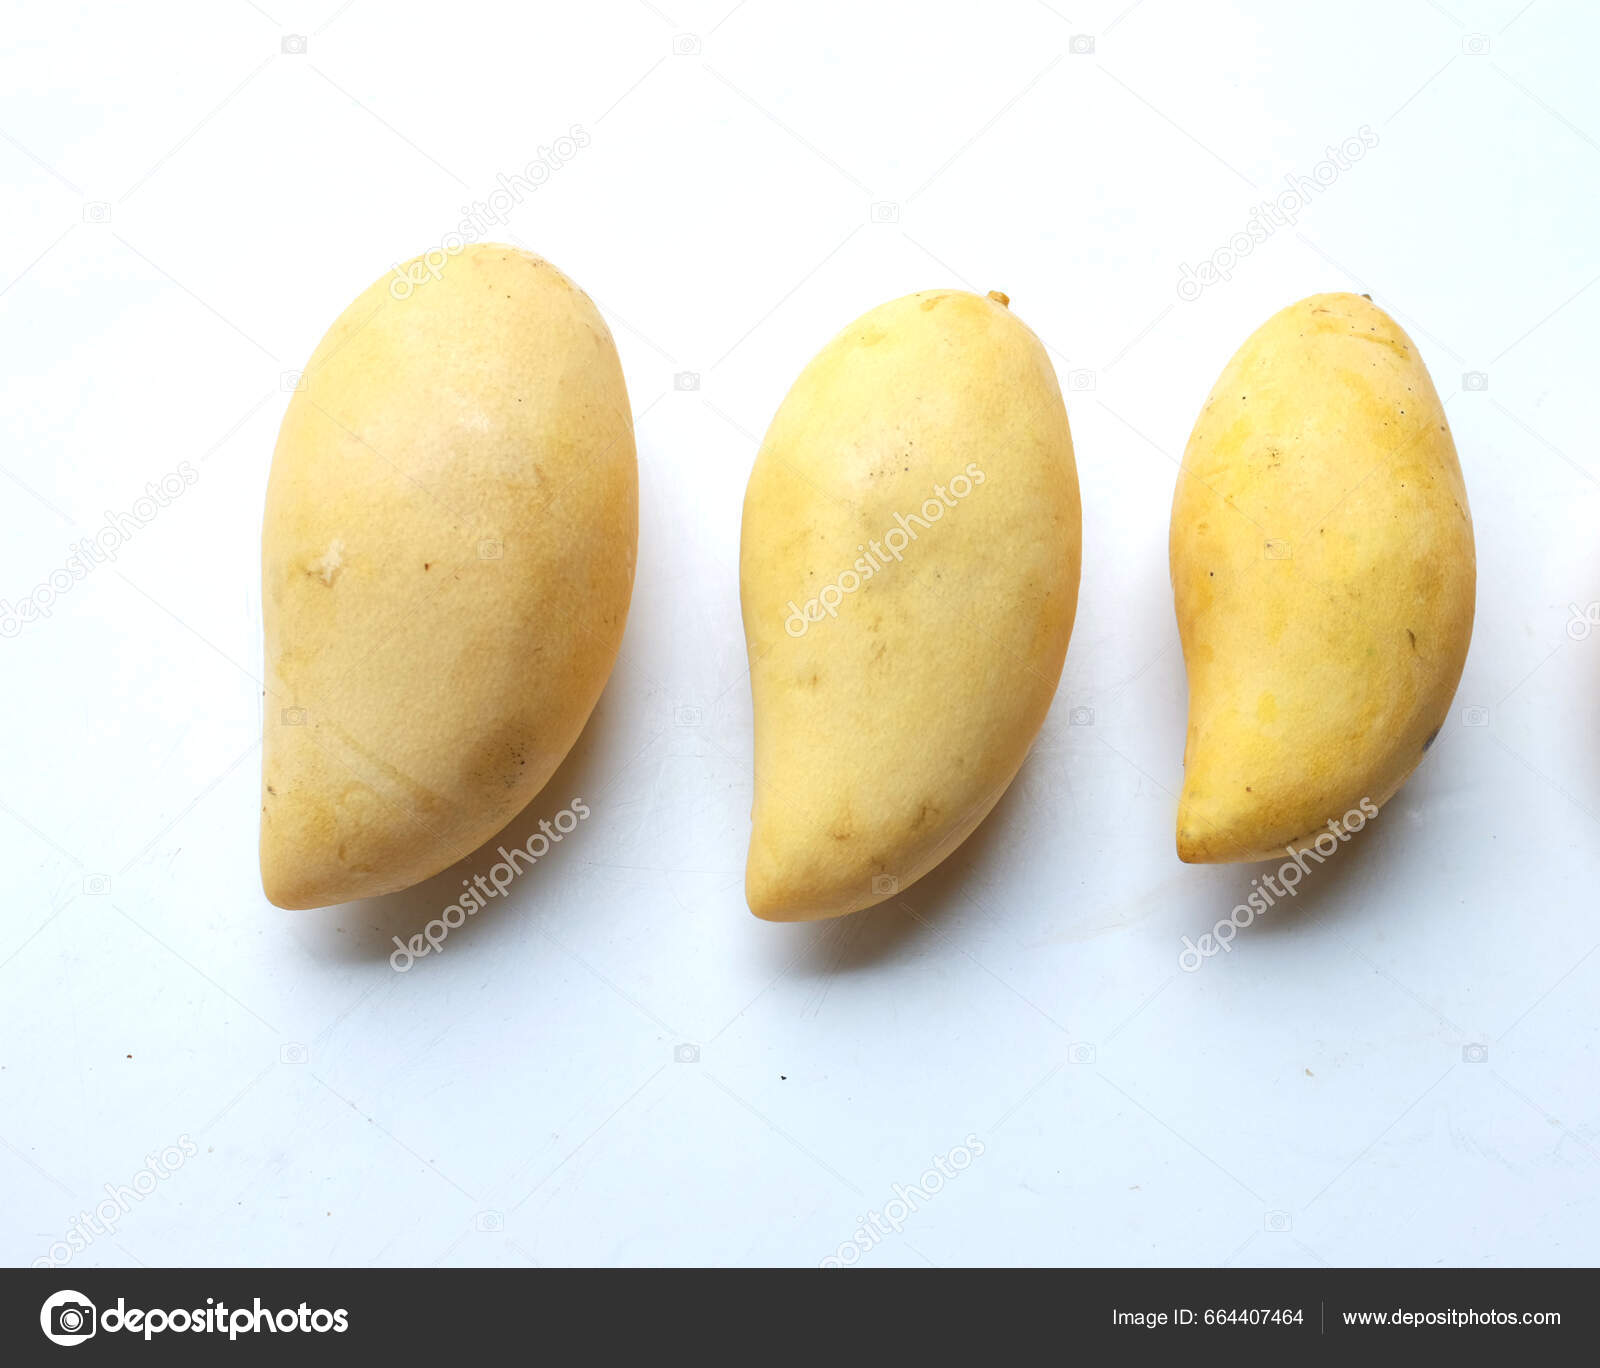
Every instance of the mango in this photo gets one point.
(447, 561)
(909, 565)
(1324, 574)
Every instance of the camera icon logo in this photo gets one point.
(686, 45)
(685, 1054)
(885, 211)
(884, 885)
(293, 1053)
(293, 717)
(490, 550)
(689, 717)
(1583, 621)
(1277, 1223)
(97, 211)
(1474, 717)
(97, 885)
(68, 1318)
(489, 1221)
(1081, 1052)
(1081, 717)
(291, 380)
(1080, 380)
(293, 45)
(1275, 548)
(1476, 45)
(1475, 380)
(686, 381)
(1474, 1054)
(1081, 45)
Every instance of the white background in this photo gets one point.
(1398, 1068)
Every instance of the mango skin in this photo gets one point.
(1321, 666)
(885, 733)
(447, 560)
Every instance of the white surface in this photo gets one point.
(1028, 993)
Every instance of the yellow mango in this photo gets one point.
(909, 573)
(447, 561)
(1324, 575)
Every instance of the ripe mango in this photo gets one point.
(1324, 575)
(447, 561)
(909, 574)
